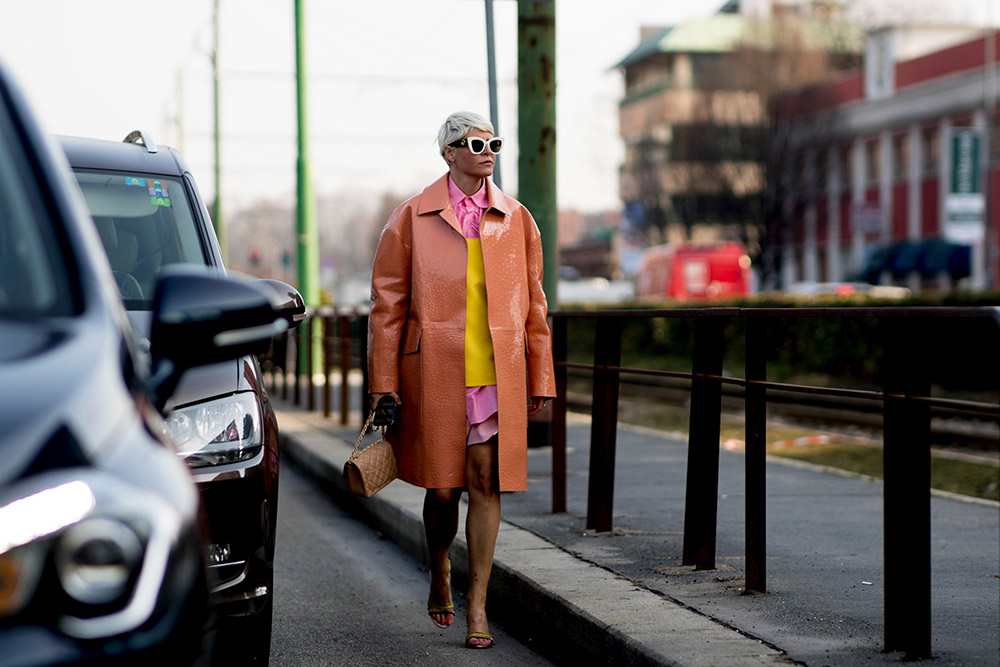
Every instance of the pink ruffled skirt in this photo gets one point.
(481, 422)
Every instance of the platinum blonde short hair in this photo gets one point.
(459, 124)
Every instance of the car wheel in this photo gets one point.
(259, 644)
(245, 640)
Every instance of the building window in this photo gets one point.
(931, 138)
(872, 162)
(995, 136)
(801, 175)
(900, 156)
(846, 158)
(821, 172)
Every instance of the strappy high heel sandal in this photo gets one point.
(487, 640)
(447, 609)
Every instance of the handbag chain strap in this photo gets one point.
(364, 430)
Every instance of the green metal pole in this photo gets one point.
(536, 161)
(536, 134)
(220, 228)
(307, 247)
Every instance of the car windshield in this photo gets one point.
(33, 273)
(145, 223)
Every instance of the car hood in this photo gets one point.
(62, 381)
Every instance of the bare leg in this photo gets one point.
(440, 527)
(481, 526)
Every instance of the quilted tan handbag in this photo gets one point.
(369, 470)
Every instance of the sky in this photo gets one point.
(383, 75)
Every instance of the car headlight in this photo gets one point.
(98, 559)
(84, 551)
(217, 432)
(25, 523)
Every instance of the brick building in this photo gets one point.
(694, 120)
(888, 170)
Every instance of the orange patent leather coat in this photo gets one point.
(416, 332)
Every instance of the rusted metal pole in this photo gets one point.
(559, 350)
(702, 491)
(603, 429)
(756, 443)
(536, 138)
(907, 499)
(536, 131)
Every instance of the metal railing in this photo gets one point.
(342, 337)
(907, 404)
(905, 397)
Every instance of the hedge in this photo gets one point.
(964, 354)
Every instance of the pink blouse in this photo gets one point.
(480, 402)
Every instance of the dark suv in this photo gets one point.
(101, 552)
(150, 215)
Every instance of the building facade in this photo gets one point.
(694, 118)
(887, 171)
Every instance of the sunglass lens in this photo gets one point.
(476, 145)
(496, 144)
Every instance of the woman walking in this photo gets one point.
(457, 336)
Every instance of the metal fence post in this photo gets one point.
(310, 365)
(701, 502)
(559, 416)
(276, 343)
(601, 487)
(300, 338)
(756, 439)
(327, 334)
(363, 361)
(344, 332)
(907, 499)
(285, 338)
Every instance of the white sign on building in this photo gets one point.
(867, 217)
(880, 64)
(964, 205)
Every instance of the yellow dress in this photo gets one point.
(480, 369)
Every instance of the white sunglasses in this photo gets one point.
(477, 145)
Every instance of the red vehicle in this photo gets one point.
(694, 271)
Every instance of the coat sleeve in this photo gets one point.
(390, 303)
(541, 378)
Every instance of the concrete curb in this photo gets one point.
(588, 613)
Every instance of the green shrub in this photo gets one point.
(963, 353)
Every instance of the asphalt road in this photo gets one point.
(345, 596)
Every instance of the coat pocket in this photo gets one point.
(410, 379)
(411, 340)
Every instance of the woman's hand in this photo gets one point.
(535, 405)
(376, 397)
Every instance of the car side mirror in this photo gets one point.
(202, 317)
(292, 307)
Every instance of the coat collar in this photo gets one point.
(434, 199)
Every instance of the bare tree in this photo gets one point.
(650, 155)
(752, 158)
(263, 242)
(387, 203)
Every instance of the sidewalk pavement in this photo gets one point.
(623, 598)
